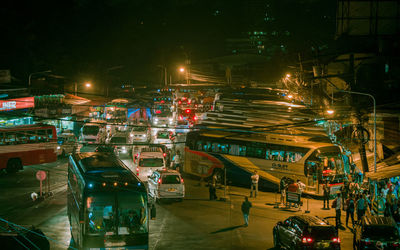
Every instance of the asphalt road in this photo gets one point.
(195, 223)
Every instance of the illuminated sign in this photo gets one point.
(17, 103)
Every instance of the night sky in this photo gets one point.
(127, 39)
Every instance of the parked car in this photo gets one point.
(375, 232)
(305, 232)
(166, 184)
(67, 144)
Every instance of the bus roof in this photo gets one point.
(300, 141)
(24, 127)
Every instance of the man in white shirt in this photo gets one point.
(254, 184)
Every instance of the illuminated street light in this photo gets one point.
(330, 111)
(88, 85)
(288, 75)
(181, 69)
(290, 96)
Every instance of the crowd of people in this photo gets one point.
(358, 197)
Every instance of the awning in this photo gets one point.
(385, 172)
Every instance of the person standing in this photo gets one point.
(246, 205)
(327, 193)
(350, 210)
(282, 187)
(212, 191)
(337, 204)
(177, 161)
(254, 184)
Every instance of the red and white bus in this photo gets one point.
(27, 145)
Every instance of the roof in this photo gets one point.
(168, 171)
(95, 161)
(312, 220)
(378, 221)
(153, 154)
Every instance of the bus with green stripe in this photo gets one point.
(208, 153)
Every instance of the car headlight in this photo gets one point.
(156, 119)
(58, 147)
(131, 135)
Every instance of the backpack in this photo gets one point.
(351, 205)
(334, 203)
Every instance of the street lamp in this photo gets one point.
(36, 73)
(181, 69)
(330, 111)
(373, 99)
(88, 85)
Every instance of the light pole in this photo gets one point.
(87, 85)
(36, 73)
(373, 99)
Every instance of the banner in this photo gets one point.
(17, 103)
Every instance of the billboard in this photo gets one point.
(17, 103)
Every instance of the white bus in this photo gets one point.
(209, 153)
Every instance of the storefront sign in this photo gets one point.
(17, 103)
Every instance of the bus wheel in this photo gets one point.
(13, 165)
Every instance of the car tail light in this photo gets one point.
(336, 240)
(195, 118)
(164, 154)
(189, 102)
(137, 171)
(182, 180)
(306, 240)
(180, 118)
(179, 102)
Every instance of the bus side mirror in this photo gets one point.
(153, 212)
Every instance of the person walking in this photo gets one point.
(350, 210)
(361, 207)
(337, 204)
(327, 193)
(246, 205)
(254, 184)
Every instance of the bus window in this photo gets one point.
(32, 136)
(255, 150)
(50, 134)
(133, 214)
(242, 150)
(100, 213)
(42, 135)
(10, 138)
(234, 149)
(199, 146)
(21, 137)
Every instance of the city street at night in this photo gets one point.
(197, 124)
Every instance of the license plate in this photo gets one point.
(323, 244)
(171, 189)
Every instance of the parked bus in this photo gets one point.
(209, 153)
(107, 203)
(27, 145)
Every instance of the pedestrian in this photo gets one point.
(177, 161)
(212, 191)
(327, 192)
(337, 205)
(350, 210)
(254, 184)
(282, 187)
(390, 199)
(246, 205)
(361, 207)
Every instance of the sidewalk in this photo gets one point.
(267, 201)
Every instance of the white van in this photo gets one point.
(166, 184)
(149, 161)
(90, 133)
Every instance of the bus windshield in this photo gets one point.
(122, 213)
(326, 164)
(90, 130)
